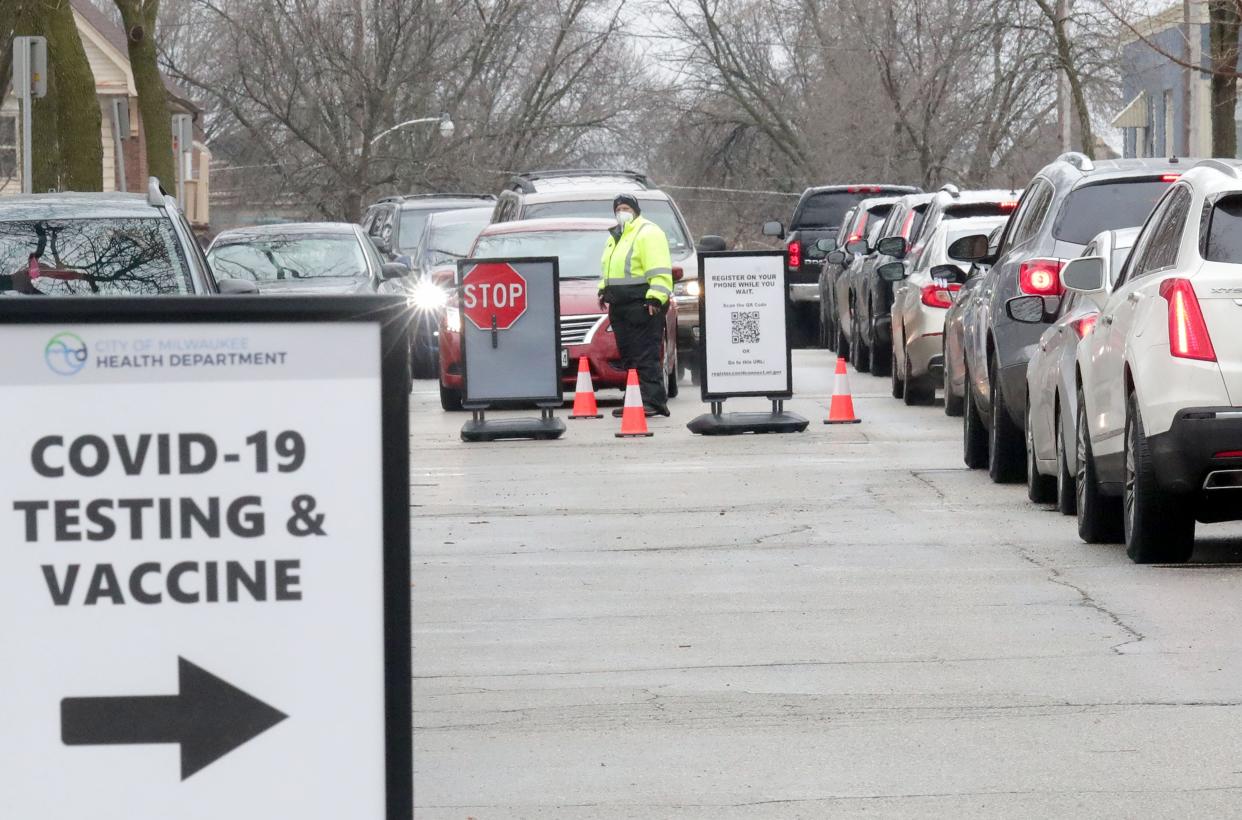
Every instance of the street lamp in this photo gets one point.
(446, 126)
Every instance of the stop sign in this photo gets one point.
(493, 289)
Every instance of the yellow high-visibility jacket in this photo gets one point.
(640, 256)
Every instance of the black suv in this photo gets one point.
(395, 223)
(1068, 202)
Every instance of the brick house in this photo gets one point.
(107, 53)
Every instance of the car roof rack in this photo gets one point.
(1228, 168)
(404, 197)
(951, 189)
(1078, 159)
(525, 181)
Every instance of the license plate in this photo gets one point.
(564, 357)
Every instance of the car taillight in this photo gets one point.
(1170, 177)
(1041, 277)
(864, 189)
(1188, 333)
(939, 296)
(1083, 326)
(795, 254)
(1009, 205)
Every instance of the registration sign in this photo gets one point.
(204, 559)
(745, 342)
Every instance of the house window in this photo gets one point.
(8, 149)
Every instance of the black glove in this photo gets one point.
(603, 303)
(655, 306)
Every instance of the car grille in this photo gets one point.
(576, 330)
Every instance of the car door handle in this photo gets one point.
(1107, 319)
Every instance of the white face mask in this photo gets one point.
(624, 218)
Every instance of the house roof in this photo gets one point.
(107, 28)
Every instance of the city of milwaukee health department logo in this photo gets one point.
(65, 353)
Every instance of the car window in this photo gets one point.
(1160, 250)
(825, 209)
(1031, 213)
(1223, 236)
(413, 220)
(1106, 206)
(579, 252)
(99, 257)
(448, 236)
(875, 217)
(658, 211)
(275, 258)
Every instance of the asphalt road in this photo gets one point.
(845, 622)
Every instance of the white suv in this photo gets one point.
(1159, 427)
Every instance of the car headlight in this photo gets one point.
(428, 295)
(452, 319)
(689, 287)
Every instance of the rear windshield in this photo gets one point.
(1224, 234)
(826, 210)
(657, 210)
(92, 257)
(450, 236)
(579, 253)
(1108, 206)
(273, 258)
(874, 217)
(969, 209)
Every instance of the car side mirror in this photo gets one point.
(828, 244)
(237, 287)
(973, 248)
(892, 271)
(1084, 274)
(394, 270)
(1029, 310)
(679, 273)
(836, 257)
(711, 242)
(894, 246)
(858, 246)
(774, 229)
(949, 273)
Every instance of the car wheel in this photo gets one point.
(450, 399)
(829, 329)
(670, 374)
(1066, 502)
(843, 345)
(1158, 526)
(861, 353)
(974, 436)
(1040, 489)
(673, 386)
(898, 383)
(879, 362)
(1099, 517)
(918, 391)
(1005, 457)
(952, 404)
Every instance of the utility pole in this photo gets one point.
(1188, 86)
(1064, 117)
(29, 81)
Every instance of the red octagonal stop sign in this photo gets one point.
(493, 289)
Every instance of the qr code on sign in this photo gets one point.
(745, 327)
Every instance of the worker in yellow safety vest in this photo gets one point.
(634, 288)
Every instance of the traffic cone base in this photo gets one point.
(633, 416)
(841, 410)
(584, 394)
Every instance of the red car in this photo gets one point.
(585, 330)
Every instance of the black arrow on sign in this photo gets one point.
(209, 719)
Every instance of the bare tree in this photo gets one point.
(139, 18)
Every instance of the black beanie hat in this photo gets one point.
(627, 199)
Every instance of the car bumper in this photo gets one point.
(687, 324)
(925, 356)
(1186, 460)
(804, 292)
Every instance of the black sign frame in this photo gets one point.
(393, 316)
(482, 404)
(704, 386)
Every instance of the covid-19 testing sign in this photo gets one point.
(745, 344)
(204, 554)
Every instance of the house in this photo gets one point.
(124, 151)
(1167, 107)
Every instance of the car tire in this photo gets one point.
(898, 386)
(1005, 456)
(673, 386)
(1066, 502)
(1040, 489)
(860, 352)
(843, 345)
(918, 390)
(953, 405)
(1158, 526)
(1099, 516)
(450, 399)
(881, 358)
(974, 435)
(830, 330)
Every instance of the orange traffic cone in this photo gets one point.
(584, 394)
(841, 411)
(633, 417)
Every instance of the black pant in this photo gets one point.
(639, 335)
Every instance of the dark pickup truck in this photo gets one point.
(818, 215)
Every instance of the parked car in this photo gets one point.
(817, 216)
(954, 330)
(103, 244)
(868, 220)
(925, 288)
(578, 243)
(299, 258)
(446, 237)
(873, 296)
(833, 265)
(395, 223)
(1051, 377)
(588, 193)
(1159, 427)
(1067, 203)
